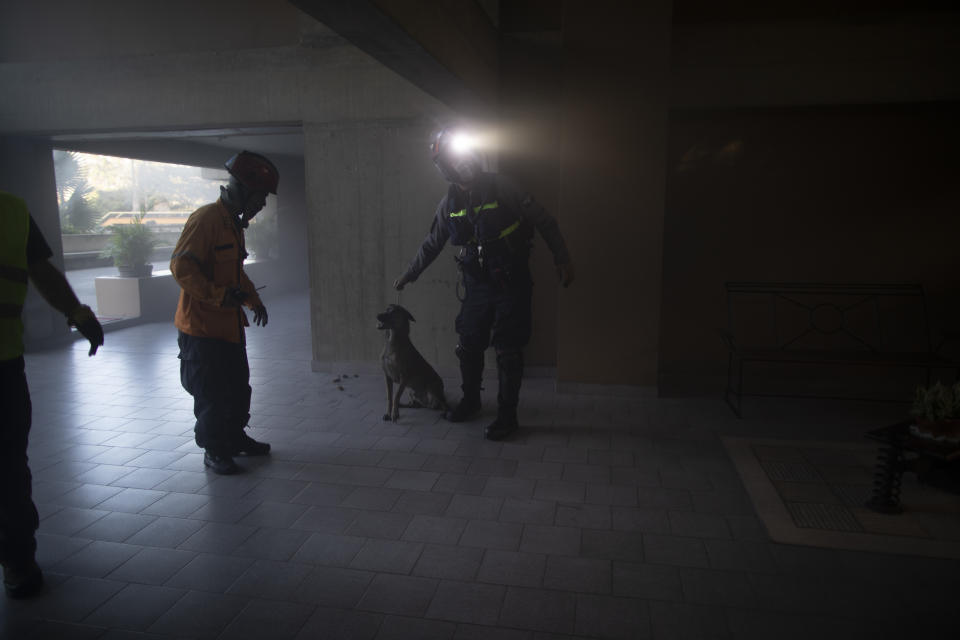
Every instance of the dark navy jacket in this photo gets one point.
(495, 213)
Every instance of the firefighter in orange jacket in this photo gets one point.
(207, 263)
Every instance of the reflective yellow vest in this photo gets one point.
(14, 229)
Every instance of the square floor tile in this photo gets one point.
(401, 595)
(491, 535)
(165, 532)
(131, 500)
(272, 544)
(512, 568)
(539, 610)
(199, 615)
(588, 575)
(448, 562)
(467, 602)
(218, 537)
(337, 624)
(96, 560)
(330, 550)
(176, 504)
(116, 527)
(152, 566)
(393, 556)
(70, 520)
(612, 617)
(271, 580)
(334, 587)
(208, 572)
(136, 606)
(268, 619)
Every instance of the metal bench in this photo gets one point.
(826, 324)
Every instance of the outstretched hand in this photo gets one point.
(400, 282)
(89, 327)
(565, 274)
(260, 315)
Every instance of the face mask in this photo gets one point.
(466, 169)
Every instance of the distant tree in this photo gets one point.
(80, 213)
(69, 174)
(74, 194)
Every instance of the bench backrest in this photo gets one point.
(879, 318)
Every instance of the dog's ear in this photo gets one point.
(406, 313)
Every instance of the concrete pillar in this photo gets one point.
(26, 170)
(371, 192)
(612, 194)
(530, 152)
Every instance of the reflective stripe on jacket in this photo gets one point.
(491, 189)
(207, 261)
(14, 232)
(486, 221)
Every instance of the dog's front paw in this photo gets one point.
(386, 417)
(395, 417)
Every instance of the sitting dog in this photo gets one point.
(403, 364)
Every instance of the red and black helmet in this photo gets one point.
(254, 171)
(441, 140)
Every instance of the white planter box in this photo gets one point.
(153, 298)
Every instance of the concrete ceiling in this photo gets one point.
(411, 41)
(285, 140)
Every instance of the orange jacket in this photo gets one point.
(207, 261)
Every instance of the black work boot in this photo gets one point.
(504, 425)
(510, 375)
(247, 446)
(22, 581)
(220, 462)
(471, 372)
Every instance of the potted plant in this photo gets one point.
(937, 412)
(130, 247)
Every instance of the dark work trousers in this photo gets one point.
(18, 515)
(217, 375)
(496, 313)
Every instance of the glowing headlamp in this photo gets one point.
(462, 143)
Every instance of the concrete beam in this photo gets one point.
(446, 48)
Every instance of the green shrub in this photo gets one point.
(131, 244)
(937, 402)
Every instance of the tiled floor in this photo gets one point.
(605, 518)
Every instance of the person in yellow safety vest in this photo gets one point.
(207, 263)
(24, 254)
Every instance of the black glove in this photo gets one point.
(235, 297)
(87, 324)
(260, 315)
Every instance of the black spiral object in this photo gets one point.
(886, 480)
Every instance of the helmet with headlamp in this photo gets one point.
(455, 154)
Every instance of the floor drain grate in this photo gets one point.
(853, 495)
(790, 471)
(830, 517)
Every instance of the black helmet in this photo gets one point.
(454, 154)
(254, 171)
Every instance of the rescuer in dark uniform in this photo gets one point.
(492, 221)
